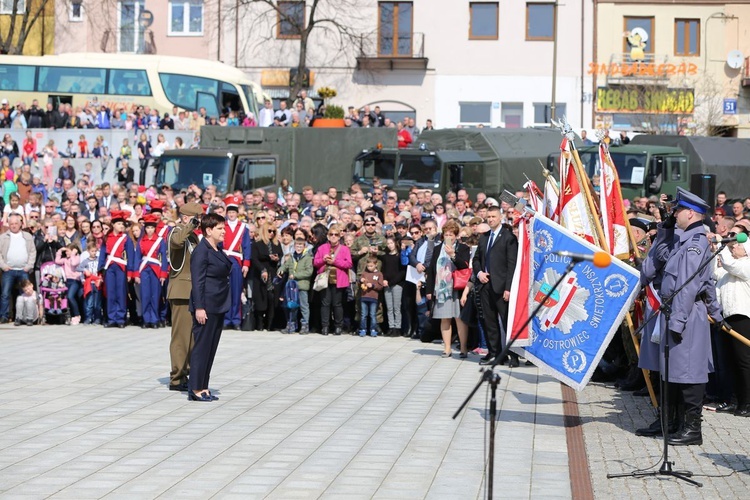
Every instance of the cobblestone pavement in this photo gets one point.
(609, 420)
(86, 414)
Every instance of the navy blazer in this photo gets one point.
(209, 270)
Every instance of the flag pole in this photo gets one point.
(581, 173)
(637, 255)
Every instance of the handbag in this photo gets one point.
(321, 281)
(460, 278)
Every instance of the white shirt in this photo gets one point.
(265, 117)
(17, 253)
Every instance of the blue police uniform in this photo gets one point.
(679, 254)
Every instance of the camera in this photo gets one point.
(195, 221)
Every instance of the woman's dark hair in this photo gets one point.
(319, 235)
(288, 230)
(210, 221)
(300, 230)
(351, 228)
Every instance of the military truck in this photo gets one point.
(654, 164)
(487, 160)
(248, 158)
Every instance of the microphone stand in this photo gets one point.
(666, 465)
(489, 376)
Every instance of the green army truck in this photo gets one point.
(654, 164)
(248, 158)
(487, 160)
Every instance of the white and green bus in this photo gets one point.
(124, 81)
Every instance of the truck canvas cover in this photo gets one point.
(508, 153)
(319, 157)
(728, 158)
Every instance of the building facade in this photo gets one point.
(665, 67)
(457, 62)
(33, 27)
(186, 28)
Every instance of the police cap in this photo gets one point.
(689, 200)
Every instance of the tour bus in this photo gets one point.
(124, 81)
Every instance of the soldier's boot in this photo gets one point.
(691, 434)
(673, 423)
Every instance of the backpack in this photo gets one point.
(291, 294)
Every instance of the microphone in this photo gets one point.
(599, 259)
(740, 238)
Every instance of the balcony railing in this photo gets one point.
(653, 69)
(403, 51)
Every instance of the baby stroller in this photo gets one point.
(53, 294)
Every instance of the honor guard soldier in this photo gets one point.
(116, 260)
(681, 252)
(182, 240)
(237, 246)
(151, 269)
(162, 231)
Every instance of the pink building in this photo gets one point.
(165, 27)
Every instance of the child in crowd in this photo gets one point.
(300, 268)
(70, 150)
(27, 310)
(14, 207)
(49, 154)
(371, 283)
(92, 284)
(53, 282)
(83, 147)
(394, 274)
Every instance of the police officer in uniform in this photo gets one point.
(680, 252)
(182, 240)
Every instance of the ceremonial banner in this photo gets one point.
(570, 333)
(551, 200)
(535, 196)
(518, 307)
(574, 212)
(612, 207)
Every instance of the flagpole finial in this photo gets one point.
(565, 128)
(600, 134)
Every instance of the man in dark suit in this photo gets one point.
(210, 299)
(91, 209)
(494, 264)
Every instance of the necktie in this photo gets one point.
(487, 254)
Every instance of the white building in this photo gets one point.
(457, 62)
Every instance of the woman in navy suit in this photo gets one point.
(209, 300)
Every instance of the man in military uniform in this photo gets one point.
(370, 243)
(679, 253)
(182, 240)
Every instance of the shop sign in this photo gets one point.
(643, 69)
(639, 99)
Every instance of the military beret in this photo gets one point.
(191, 209)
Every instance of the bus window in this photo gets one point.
(17, 77)
(421, 171)
(71, 80)
(182, 90)
(230, 98)
(252, 103)
(128, 82)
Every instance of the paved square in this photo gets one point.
(86, 414)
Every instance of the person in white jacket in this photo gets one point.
(732, 275)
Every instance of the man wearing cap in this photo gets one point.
(162, 231)
(150, 269)
(182, 240)
(370, 243)
(678, 254)
(237, 246)
(117, 261)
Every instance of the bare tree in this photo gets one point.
(29, 12)
(330, 19)
(708, 119)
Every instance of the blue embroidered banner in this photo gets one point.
(574, 327)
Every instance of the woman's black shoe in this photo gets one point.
(203, 396)
(743, 410)
(726, 408)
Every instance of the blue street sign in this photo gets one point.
(730, 106)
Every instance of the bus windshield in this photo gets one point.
(181, 172)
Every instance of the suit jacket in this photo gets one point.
(461, 261)
(211, 269)
(181, 241)
(502, 259)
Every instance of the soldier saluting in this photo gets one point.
(182, 240)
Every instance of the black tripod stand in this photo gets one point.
(489, 375)
(666, 309)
